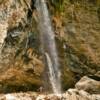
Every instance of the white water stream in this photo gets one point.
(48, 45)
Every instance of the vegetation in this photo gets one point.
(58, 5)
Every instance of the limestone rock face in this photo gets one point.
(20, 65)
(80, 39)
(77, 32)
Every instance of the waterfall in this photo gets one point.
(48, 45)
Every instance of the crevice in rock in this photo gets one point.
(97, 78)
(30, 10)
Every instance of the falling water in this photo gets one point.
(48, 45)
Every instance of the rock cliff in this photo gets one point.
(77, 31)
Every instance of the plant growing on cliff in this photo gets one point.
(58, 5)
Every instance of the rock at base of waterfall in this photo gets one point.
(71, 94)
(89, 84)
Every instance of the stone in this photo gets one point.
(75, 95)
(3, 33)
(98, 74)
(78, 29)
(88, 84)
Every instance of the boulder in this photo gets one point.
(88, 84)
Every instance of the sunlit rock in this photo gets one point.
(3, 33)
(88, 84)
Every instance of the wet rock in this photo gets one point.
(20, 67)
(20, 63)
